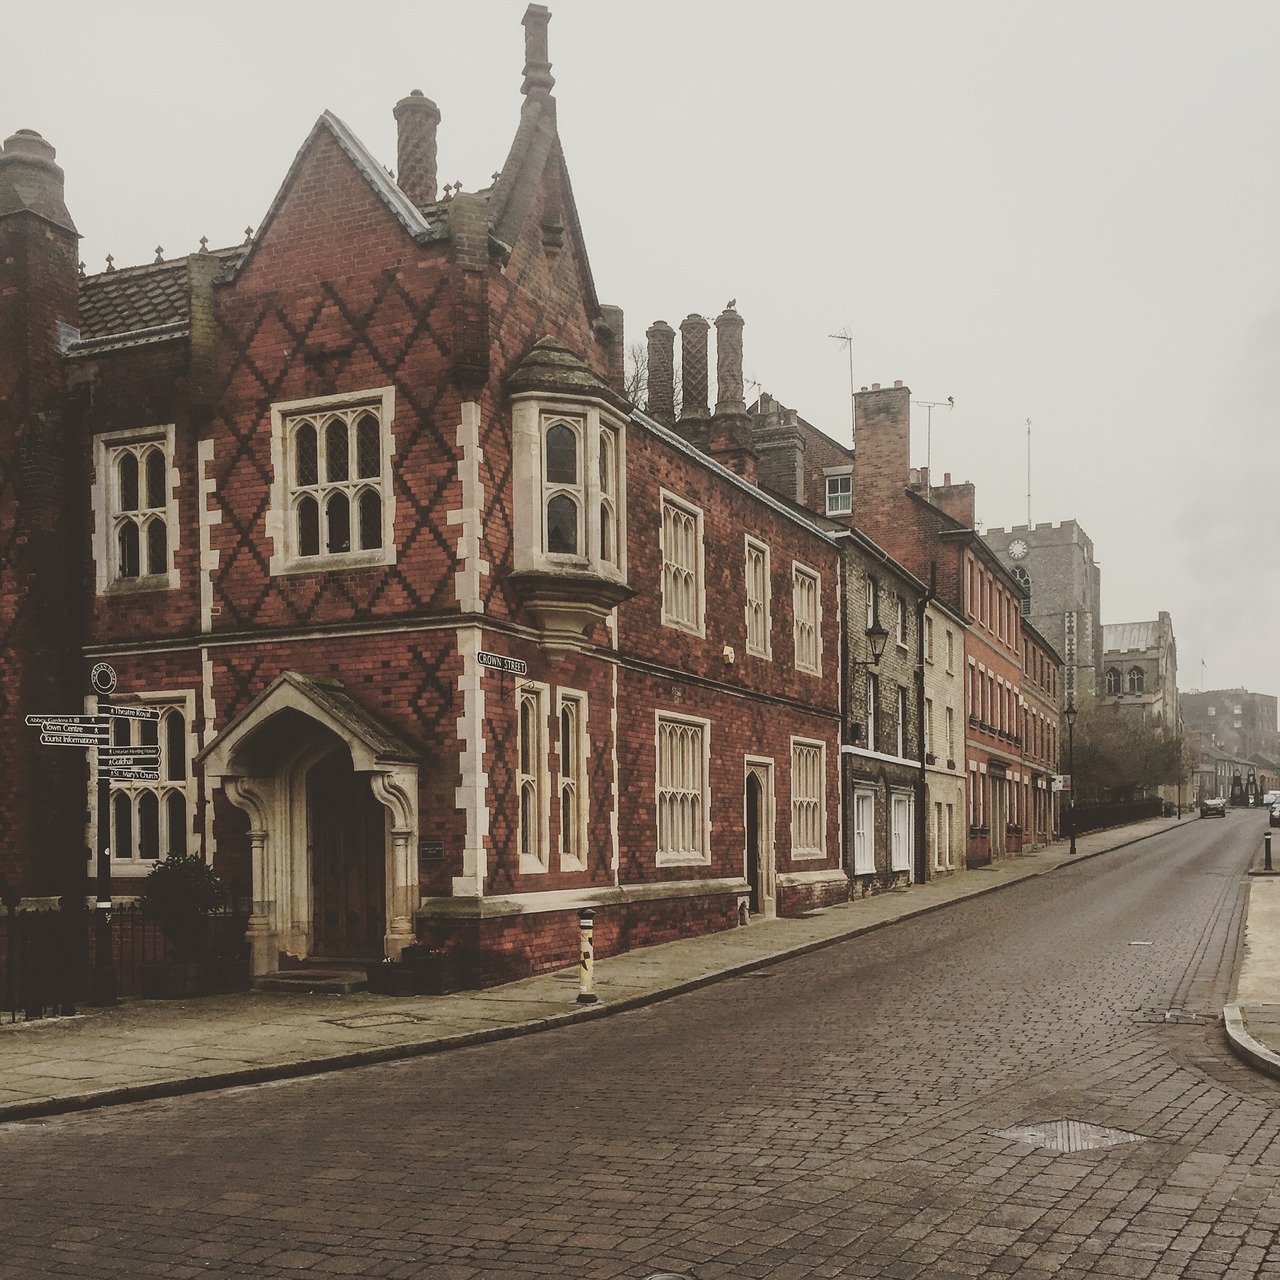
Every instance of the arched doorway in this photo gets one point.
(347, 842)
(761, 875)
(332, 799)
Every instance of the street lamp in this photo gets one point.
(1069, 715)
(877, 637)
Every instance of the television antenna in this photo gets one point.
(929, 406)
(847, 338)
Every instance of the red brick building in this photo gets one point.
(930, 529)
(446, 639)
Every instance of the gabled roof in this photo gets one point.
(423, 227)
(371, 743)
(1124, 637)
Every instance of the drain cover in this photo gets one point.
(1064, 1136)
(1176, 1017)
(372, 1020)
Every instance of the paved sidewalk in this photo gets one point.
(1253, 1022)
(147, 1048)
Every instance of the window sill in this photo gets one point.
(675, 860)
(689, 629)
(140, 586)
(377, 558)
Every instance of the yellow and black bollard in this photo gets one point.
(586, 978)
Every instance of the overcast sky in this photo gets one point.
(1066, 213)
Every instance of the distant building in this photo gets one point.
(1140, 669)
(1222, 773)
(1234, 720)
(1055, 565)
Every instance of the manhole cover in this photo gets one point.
(1064, 1136)
(372, 1020)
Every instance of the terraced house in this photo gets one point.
(446, 638)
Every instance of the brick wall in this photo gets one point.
(41, 840)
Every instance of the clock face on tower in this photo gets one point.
(1017, 548)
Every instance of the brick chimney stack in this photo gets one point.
(417, 118)
(609, 331)
(730, 437)
(729, 398)
(881, 458)
(779, 447)
(693, 361)
(661, 389)
(538, 81)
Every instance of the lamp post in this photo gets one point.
(1069, 715)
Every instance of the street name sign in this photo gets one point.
(501, 663)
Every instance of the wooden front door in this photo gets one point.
(999, 816)
(348, 862)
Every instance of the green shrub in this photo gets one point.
(181, 893)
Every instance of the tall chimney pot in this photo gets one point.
(661, 390)
(693, 360)
(729, 393)
(417, 118)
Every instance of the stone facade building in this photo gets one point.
(883, 751)
(1140, 670)
(447, 639)
(1054, 564)
(944, 734)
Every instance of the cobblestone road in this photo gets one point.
(853, 1113)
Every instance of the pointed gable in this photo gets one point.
(534, 179)
(336, 211)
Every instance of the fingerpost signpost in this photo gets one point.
(122, 762)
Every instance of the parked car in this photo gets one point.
(1214, 807)
(1270, 798)
(1274, 820)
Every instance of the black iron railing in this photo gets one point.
(46, 952)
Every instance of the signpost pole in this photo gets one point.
(102, 981)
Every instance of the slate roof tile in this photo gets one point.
(133, 298)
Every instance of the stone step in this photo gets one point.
(313, 981)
